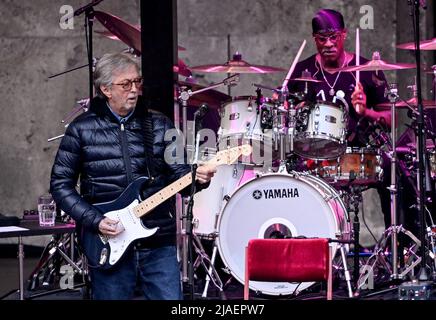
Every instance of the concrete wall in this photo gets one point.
(33, 47)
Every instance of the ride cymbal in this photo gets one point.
(423, 45)
(236, 65)
(376, 64)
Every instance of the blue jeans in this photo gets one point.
(155, 272)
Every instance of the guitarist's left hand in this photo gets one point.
(205, 173)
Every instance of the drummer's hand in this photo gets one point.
(358, 99)
(205, 173)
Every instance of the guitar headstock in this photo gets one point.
(230, 155)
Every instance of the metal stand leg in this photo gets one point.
(21, 266)
(211, 273)
(212, 261)
(346, 271)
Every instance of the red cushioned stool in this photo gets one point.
(288, 260)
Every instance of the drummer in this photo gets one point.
(329, 34)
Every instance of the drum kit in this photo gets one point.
(303, 181)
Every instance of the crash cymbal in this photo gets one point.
(428, 104)
(109, 35)
(423, 45)
(236, 65)
(121, 30)
(376, 64)
(212, 98)
(124, 31)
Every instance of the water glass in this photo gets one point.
(46, 210)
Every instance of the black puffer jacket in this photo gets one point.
(107, 159)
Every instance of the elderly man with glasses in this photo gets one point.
(115, 142)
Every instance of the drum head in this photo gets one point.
(274, 206)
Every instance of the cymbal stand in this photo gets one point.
(393, 97)
(83, 104)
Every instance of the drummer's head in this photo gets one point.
(329, 32)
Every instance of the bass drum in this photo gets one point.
(279, 205)
(209, 202)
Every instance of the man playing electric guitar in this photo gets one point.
(114, 148)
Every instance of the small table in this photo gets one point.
(33, 229)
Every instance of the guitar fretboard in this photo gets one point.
(223, 157)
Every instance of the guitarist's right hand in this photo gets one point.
(108, 227)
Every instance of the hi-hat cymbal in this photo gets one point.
(212, 98)
(306, 79)
(121, 30)
(428, 104)
(376, 64)
(236, 65)
(423, 45)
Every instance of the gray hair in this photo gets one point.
(109, 64)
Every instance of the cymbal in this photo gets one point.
(423, 45)
(212, 98)
(109, 35)
(376, 64)
(236, 65)
(428, 104)
(182, 69)
(306, 79)
(121, 30)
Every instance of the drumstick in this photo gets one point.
(357, 55)
(357, 62)
(294, 63)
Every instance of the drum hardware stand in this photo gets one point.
(83, 104)
(211, 273)
(421, 147)
(50, 261)
(346, 270)
(355, 200)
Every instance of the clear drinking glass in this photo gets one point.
(46, 210)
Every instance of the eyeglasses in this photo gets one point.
(127, 84)
(333, 37)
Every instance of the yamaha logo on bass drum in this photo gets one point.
(276, 193)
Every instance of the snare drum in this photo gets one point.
(357, 166)
(321, 131)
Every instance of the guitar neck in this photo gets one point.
(160, 197)
(223, 157)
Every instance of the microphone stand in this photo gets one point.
(421, 148)
(89, 21)
(189, 212)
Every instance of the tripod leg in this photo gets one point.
(346, 271)
(212, 261)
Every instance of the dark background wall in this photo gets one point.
(267, 32)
